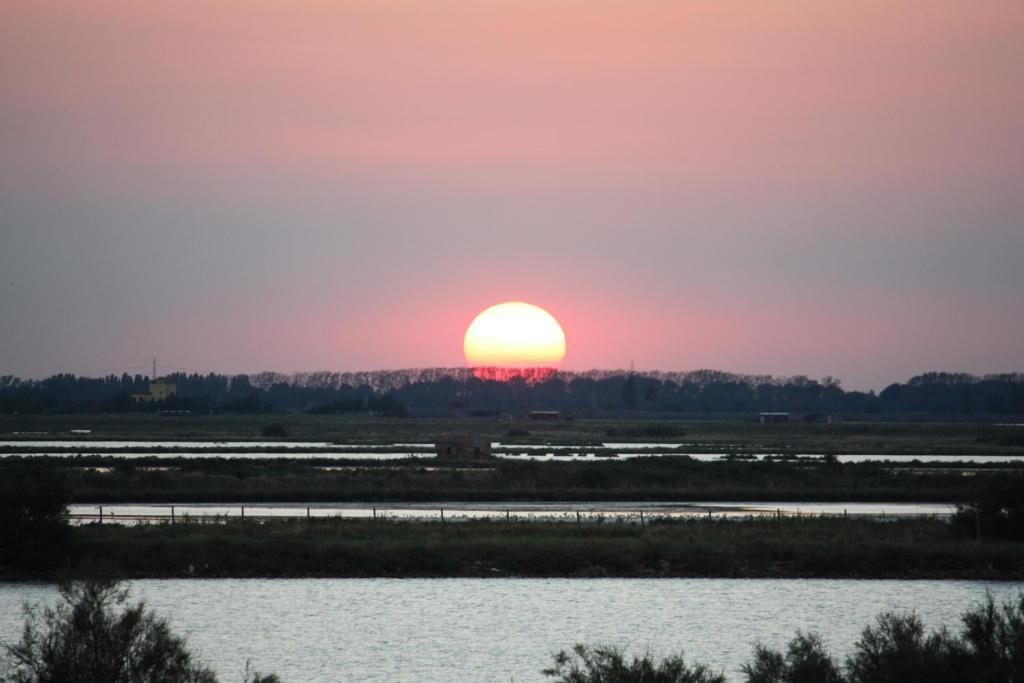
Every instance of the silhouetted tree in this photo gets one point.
(93, 636)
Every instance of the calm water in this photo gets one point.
(477, 630)
(622, 511)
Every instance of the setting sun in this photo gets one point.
(514, 334)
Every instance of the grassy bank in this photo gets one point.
(794, 547)
(184, 480)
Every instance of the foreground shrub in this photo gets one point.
(93, 636)
(609, 665)
(895, 649)
(805, 661)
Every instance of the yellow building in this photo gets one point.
(159, 390)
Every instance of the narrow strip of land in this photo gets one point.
(791, 547)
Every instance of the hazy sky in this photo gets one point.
(801, 186)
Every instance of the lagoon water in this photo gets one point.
(474, 630)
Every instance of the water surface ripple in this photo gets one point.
(474, 630)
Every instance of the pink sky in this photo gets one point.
(824, 188)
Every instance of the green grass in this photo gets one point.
(643, 479)
(796, 547)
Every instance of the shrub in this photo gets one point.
(609, 665)
(33, 517)
(92, 636)
(806, 661)
(274, 430)
(999, 514)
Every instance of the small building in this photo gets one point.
(463, 447)
(773, 418)
(549, 415)
(159, 390)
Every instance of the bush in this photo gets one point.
(92, 636)
(999, 514)
(34, 532)
(274, 430)
(609, 665)
(806, 661)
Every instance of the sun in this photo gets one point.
(514, 334)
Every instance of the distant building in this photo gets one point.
(771, 418)
(463, 447)
(159, 390)
(544, 415)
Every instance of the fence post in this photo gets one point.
(172, 514)
(579, 526)
(375, 513)
(101, 514)
(307, 512)
(508, 516)
(243, 513)
(641, 521)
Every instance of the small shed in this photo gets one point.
(463, 447)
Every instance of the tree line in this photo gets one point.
(439, 392)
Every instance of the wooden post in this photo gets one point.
(641, 520)
(778, 536)
(508, 515)
(977, 522)
(375, 513)
(579, 526)
(307, 512)
(101, 514)
(442, 515)
(172, 514)
(243, 513)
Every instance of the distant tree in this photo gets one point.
(629, 393)
(93, 636)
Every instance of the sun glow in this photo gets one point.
(514, 334)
